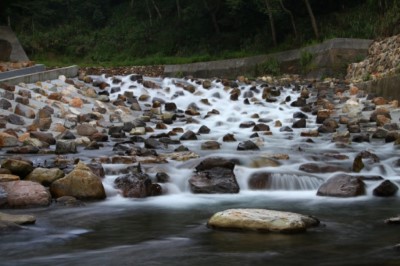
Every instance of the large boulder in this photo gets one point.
(137, 184)
(22, 194)
(45, 176)
(261, 220)
(81, 183)
(342, 185)
(214, 175)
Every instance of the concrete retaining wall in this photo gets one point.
(69, 72)
(329, 58)
(22, 71)
(17, 53)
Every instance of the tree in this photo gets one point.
(313, 21)
(213, 9)
(291, 19)
(271, 22)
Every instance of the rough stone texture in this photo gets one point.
(65, 147)
(86, 130)
(7, 140)
(137, 185)
(8, 177)
(81, 183)
(383, 60)
(23, 194)
(261, 220)
(46, 137)
(342, 185)
(45, 176)
(214, 175)
(24, 111)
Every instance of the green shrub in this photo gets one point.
(306, 61)
(271, 66)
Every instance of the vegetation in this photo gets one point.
(271, 66)
(132, 32)
(305, 61)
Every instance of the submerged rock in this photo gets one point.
(261, 220)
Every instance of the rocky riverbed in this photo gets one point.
(68, 141)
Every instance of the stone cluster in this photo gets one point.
(383, 60)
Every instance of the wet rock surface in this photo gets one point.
(261, 220)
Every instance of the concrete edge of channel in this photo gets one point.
(69, 72)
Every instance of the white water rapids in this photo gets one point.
(286, 178)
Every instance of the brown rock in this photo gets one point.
(260, 180)
(24, 111)
(76, 102)
(45, 176)
(86, 129)
(81, 183)
(18, 167)
(210, 145)
(22, 194)
(7, 140)
(8, 177)
(379, 101)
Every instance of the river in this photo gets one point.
(171, 229)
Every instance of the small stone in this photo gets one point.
(247, 145)
(210, 145)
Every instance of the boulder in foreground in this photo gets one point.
(261, 220)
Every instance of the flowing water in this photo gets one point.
(171, 229)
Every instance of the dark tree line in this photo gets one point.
(173, 27)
